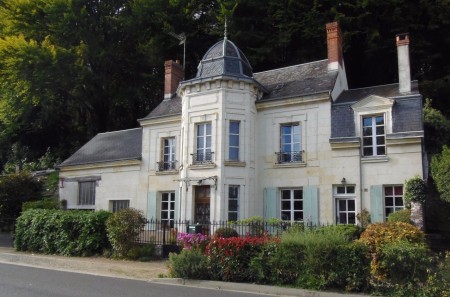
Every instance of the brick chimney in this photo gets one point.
(334, 43)
(174, 74)
(404, 72)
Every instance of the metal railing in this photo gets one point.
(289, 157)
(167, 165)
(202, 158)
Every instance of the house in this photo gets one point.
(292, 143)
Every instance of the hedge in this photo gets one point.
(68, 233)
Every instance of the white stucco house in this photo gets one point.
(292, 143)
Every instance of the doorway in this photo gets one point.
(202, 204)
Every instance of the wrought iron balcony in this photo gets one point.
(202, 158)
(167, 165)
(289, 157)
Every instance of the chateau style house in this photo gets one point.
(292, 143)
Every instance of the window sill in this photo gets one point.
(166, 172)
(289, 165)
(374, 159)
(235, 163)
(202, 166)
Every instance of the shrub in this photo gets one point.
(255, 225)
(192, 264)
(123, 229)
(403, 215)
(141, 252)
(226, 232)
(48, 203)
(440, 170)
(415, 190)
(69, 233)
(376, 236)
(364, 218)
(190, 241)
(230, 257)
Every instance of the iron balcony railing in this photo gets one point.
(167, 165)
(202, 158)
(289, 157)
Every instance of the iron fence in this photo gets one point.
(165, 233)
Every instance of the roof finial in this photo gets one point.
(225, 30)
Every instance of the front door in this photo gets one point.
(202, 204)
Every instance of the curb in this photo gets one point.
(250, 288)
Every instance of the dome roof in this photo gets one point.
(224, 58)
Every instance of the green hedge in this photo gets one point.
(48, 203)
(69, 233)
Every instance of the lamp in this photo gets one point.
(200, 181)
(343, 181)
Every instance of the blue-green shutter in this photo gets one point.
(311, 205)
(270, 203)
(151, 206)
(177, 204)
(376, 204)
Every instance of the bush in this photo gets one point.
(192, 264)
(123, 229)
(415, 190)
(403, 215)
(230, 257)
(48, 203)
(226, 232)
(192, 241)
(68, 233)
(141, 252)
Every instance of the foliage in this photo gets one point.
(142, 253)
(123, 229)
(230, 258)
(226, 232)
(376, 236)
(437, 128)
(68, 233)
(363, 218)
(48, 203)
(192, 264)
(16, 189)
(192, 241)
(403, 215)
(255, 225)
(415, 190)
(440, 170)
(19, 157)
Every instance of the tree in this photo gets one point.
(437, 128)
(440, 170)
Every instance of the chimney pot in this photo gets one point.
(174, 74)
(404, 71)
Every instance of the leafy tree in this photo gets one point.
(440, 170)
(437, 128)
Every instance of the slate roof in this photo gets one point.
(168, 107)
(224, 58)
(108, 147)
(298, 80)
(406, 111)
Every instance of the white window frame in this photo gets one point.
(374, 136)
(167, 198)
(230, 135)
(86, 192)
(169, 156)
(290, 155)
(204, 149)
(346, 193)
(233, 199)
(394, 207)
(292, 211)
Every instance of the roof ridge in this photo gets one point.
(276, 69)
(109, 132)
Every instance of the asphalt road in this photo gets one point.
(21, 281)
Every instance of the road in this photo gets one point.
(22, 281)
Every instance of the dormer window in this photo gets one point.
(373, 136)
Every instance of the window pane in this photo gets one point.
(380, 130)
(233, 192)
(298, 205)
(388, 191)
(389, 201)
(298, 194)
(208, 129)
(380, 140)
(399, 190)
(351, 190)
(201, 130)
(367, 122)
(398, 201)
(208, 141)
(367, 151)
(285, 130)
(296, 138)
(234, 153)
(340, 190)
(342, 205)
(285, 215)
(351, 205)
(234, 140)
(232, 205)
(379, 120)
(367, 141)
(381, 150)
(285, 194)
(285, 205)
(367, 131)
(232, 216)
(200, 142)
(286, 139)
(234, 127)
(351, 218)
(298, 216)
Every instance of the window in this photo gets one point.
(345, 199)
(393, 199)
(168, 208)
(203, 154)
(233, 154)
(86, 193)
(117, 205)
(289, 144)
(169, 162)
(374, 136)
(233, 203)
(292, 205)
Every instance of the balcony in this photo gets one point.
(289, 157)
(167, 165)
(202, 158)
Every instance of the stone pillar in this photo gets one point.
(417, 215)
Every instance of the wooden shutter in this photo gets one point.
(376, 204)
(311, 205)
(177, 205)
(151, 206)
(270, 203)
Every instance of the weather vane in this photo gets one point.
(225, 30)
